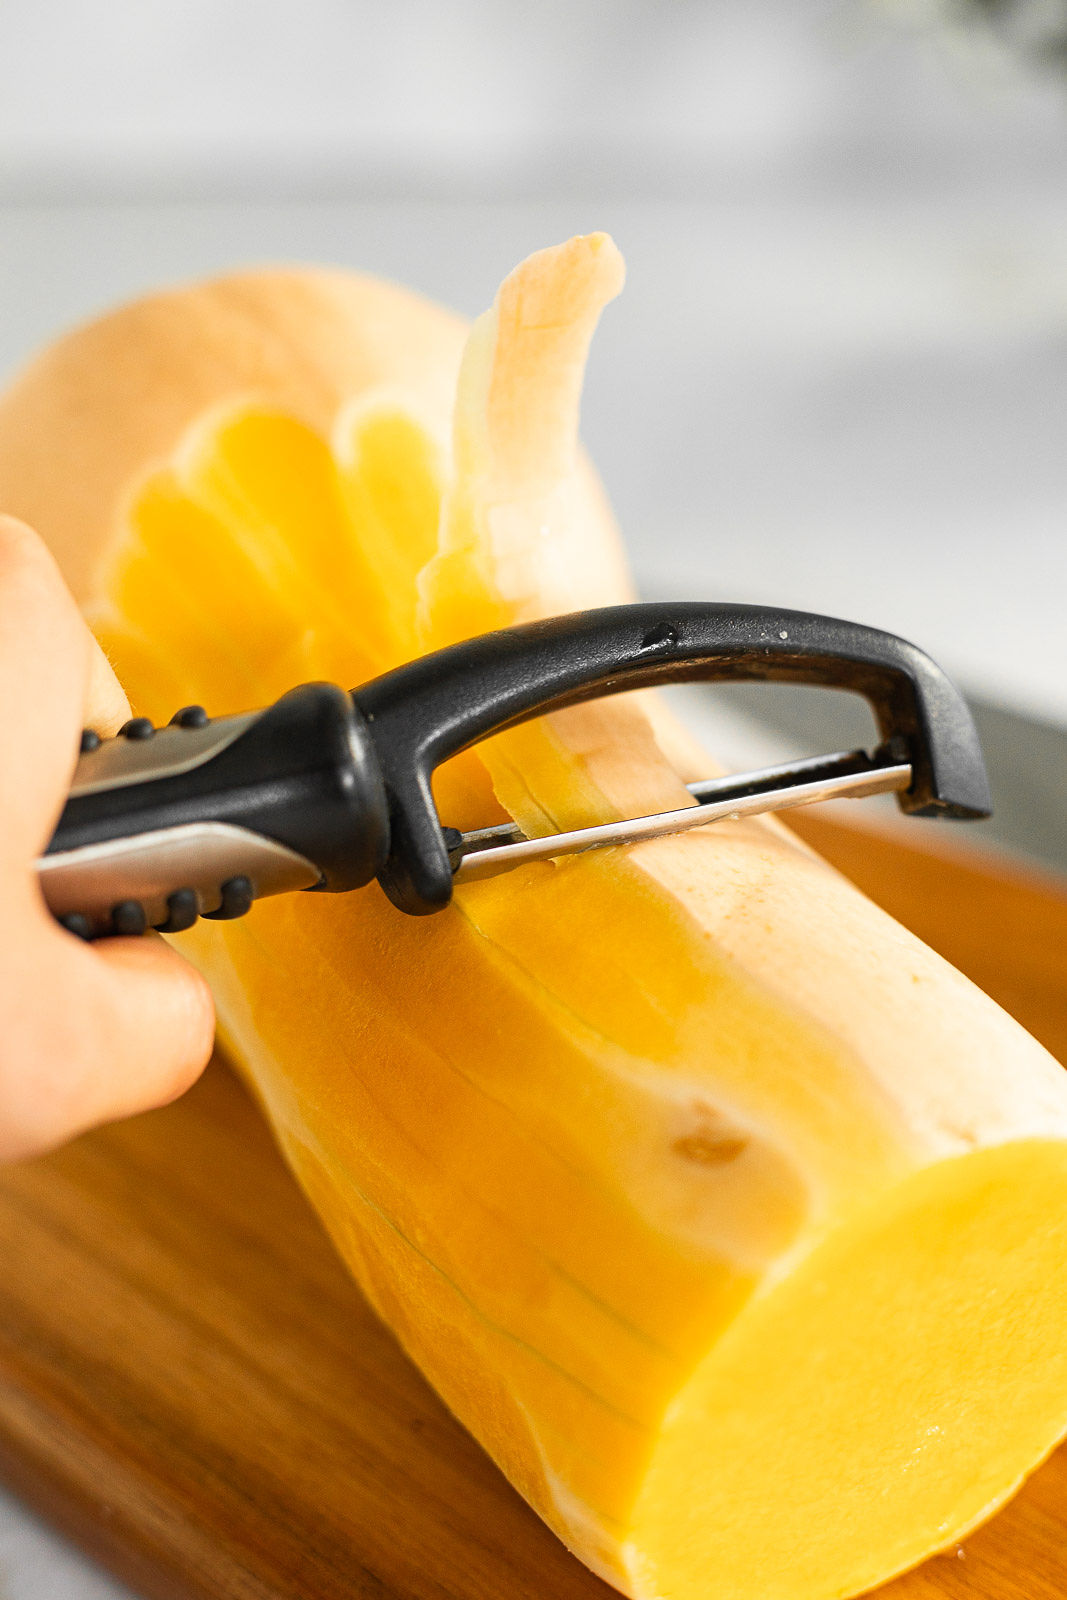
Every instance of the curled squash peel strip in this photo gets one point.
(727, 1216)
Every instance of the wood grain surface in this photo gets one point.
(193, 1388)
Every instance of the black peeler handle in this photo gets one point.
(203, 816)
(326, 790)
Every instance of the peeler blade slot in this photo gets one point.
(425, 712)
(847, 774)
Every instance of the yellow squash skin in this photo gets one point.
(728, 1217)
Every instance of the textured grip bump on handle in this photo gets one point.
(202, 817)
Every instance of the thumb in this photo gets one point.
(106, 705)
(44, 663)
(55, 680)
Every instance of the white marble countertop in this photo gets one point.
(36, 1563)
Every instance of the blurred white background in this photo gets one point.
(837, 378)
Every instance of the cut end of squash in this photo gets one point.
(880, 1401)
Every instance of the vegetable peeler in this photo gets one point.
(325, 789)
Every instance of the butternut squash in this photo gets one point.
(728, 1217)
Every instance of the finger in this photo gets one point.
(97, 1032)
(159, 1023)
(44, 668)
(106, 705)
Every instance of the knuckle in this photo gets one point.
(15, 535)
(23, 555)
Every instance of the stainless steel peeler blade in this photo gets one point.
(847, 775)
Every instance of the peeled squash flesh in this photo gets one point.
(728, 1217)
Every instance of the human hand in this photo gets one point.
(88, 1032)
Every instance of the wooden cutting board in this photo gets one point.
(192, 1387)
